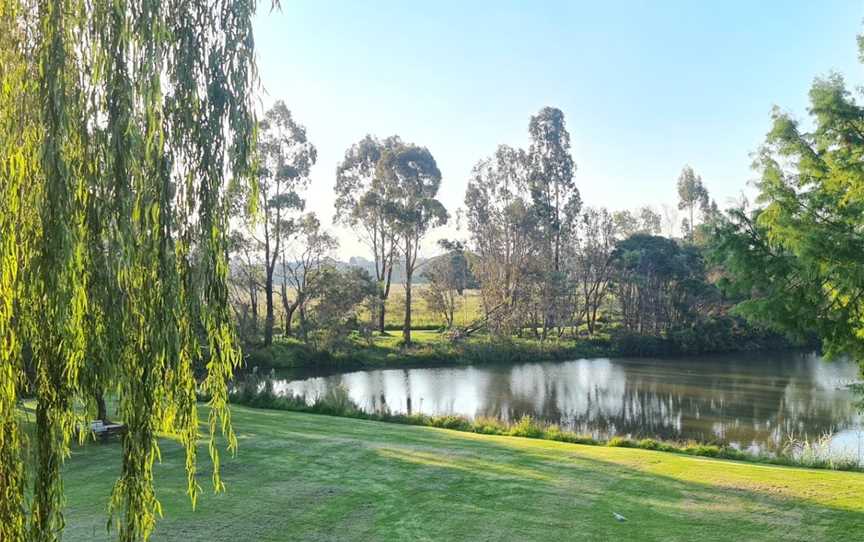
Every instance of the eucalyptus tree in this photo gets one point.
(797, 259)
(692, 196)
(361, 206)
(650, 220)
(302, 268)
(596, 233)
(643, 220)
(121, 126)
(554, 194)
(504, 236)
(285, 157)
(409, 180)
(555, 199)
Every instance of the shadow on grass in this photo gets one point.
(659, 506)
(312, 477)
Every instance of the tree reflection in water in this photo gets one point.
(754, 401)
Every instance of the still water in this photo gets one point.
(752, 401)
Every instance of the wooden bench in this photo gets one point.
(104, 431)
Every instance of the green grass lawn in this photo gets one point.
(308, 477)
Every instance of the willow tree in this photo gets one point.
(122, 124)
(18, 157)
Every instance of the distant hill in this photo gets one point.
(398, 268)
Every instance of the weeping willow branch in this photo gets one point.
(122, 125)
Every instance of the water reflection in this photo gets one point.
(754, 401)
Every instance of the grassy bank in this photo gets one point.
(258, 393)
(309, 477)
(429, 348)
(433, 347)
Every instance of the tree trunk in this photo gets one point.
(283, 294)
(253, 305)
(381, 307)
(451, 310)
(304, 331)
(268, 323)
(406, 328)
(101, 407)
(385, 293)
(289, 316)
(691, 223)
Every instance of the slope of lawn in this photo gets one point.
(308, 477)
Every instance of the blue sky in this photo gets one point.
(646, 87)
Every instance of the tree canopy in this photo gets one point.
(692, 196)
(285, 157)
(797, 259)
(409, 180)
(360, 205)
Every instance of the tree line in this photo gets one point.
(545, 265)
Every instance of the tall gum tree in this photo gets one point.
(285, 157)
(122, 125)
(410, 179)
(555, 199)
(692, 196)
(360, 205)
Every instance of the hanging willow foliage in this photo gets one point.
(122, 125)
(18, 156)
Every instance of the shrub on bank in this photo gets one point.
(488, 426)
(711, 335)
(527, 427)
(457, 423)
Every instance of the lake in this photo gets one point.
(753, 401)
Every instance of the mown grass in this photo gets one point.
(257, 392)
(304, 477)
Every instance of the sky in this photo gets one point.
(645, 87)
